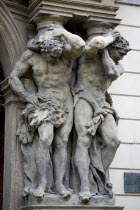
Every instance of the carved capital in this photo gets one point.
(44, 20)
(95, 10)
(97, 26)
(9, 96)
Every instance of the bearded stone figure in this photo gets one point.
(95, 119)
(51, 102)
(48, 115)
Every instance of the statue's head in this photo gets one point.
(51, 49)
(119, 48)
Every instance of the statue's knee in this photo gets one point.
(83, 141)
(46, 140)
(80, 128)
(114, 143)
(61, 141)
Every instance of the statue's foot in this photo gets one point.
(110, 185)
(27, 191)
(39, 192)
(70, 190)
(85, 196)
(63, 191)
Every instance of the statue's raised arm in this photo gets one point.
(73, 45)
(76, 43)
(100, 42)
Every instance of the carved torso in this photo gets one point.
(91, 73)
(51, 79)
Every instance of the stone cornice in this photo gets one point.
(83, 3)
(97, 20)
(72, 8)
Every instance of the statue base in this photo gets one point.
(51, 201)
(79, 207)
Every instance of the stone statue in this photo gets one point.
(48, 115)
(95, 118)
(47, 119)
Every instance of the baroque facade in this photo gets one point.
(71, 40)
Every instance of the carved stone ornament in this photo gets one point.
(68, 133)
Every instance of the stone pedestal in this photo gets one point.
(45, 207)
(50, 201)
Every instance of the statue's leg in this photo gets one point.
(109, 133)
(83, 114)
(60, 153)
(45, 132)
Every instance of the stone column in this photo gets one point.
(13, 175)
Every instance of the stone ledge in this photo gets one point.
(53, 201)
(45, 207)
(73, 200)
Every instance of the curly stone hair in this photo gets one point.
(43, 39)
(120, 42)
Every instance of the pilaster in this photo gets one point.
(13, 174)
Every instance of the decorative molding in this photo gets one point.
(20, 11)
(131, 2)
(132, 72)
(131, 119)
(130, 194)
(133, 169)
(127, 95)
(10, 34)
(133, 143)
(74, 8)
(8, 94)
(20, 2)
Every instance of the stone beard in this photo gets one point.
(54, 161)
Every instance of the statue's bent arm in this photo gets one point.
(20, 68)
(76, 43)
(108, 98)
(99, 43)
(111, 69)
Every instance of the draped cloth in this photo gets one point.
(49, 110)
(99, 180)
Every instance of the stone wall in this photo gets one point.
(126, 96)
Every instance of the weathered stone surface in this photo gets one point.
(47, 119)
(55, 161)
(50, 200)
(94, 114)
(72, 207)
(48, 115)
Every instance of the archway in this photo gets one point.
(11, 40)
(12, 44)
